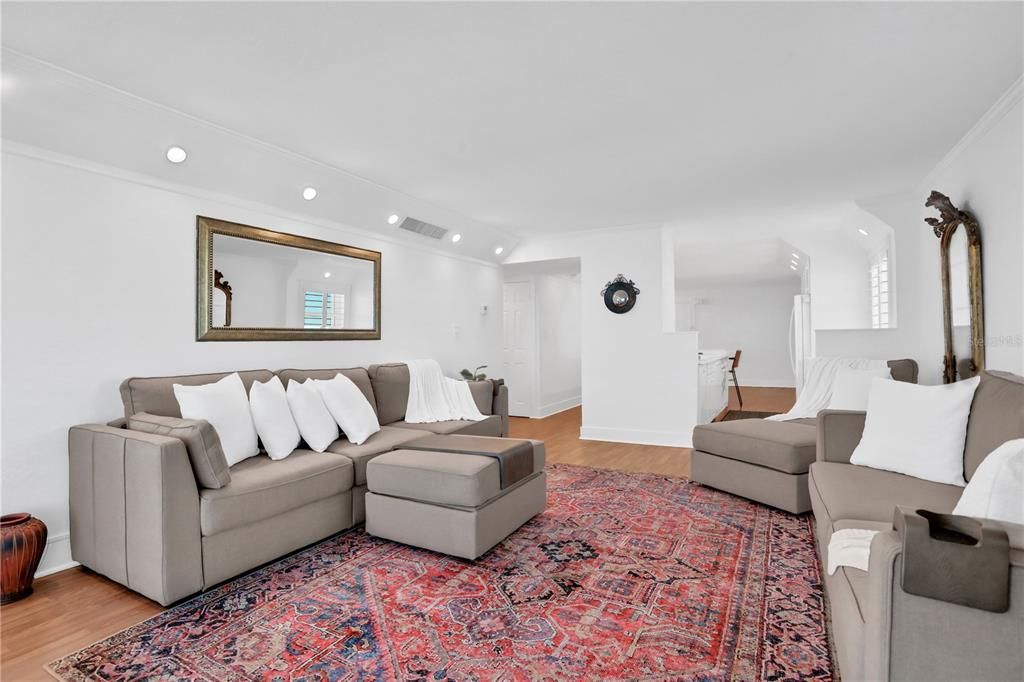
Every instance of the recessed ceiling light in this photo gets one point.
(792, 267)
(797, 256)
(309, 193)
(392, 219)
(862, 231)
(794, 263)
(327, 275)
(497, 251)
(456, 237)
(176, 155)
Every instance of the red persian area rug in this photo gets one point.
(625, 576)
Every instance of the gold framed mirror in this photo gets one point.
(255, 284)
(963, 310)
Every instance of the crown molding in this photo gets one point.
(1006, 102)
(80, 80)
(60, 159)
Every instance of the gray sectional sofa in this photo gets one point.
(140, 516)
(882, 631)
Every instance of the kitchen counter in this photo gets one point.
(713, 393)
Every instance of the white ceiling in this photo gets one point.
(521, 118)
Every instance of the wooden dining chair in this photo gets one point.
(732, 371)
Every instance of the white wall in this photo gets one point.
(639, 381)
(840, 283)
(260, 291)
(560, 344)
(982, 174)
(99, 285)
(754, 318)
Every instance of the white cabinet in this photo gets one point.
(713, 389)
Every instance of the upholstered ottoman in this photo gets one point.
(450, 502)
(762, 460)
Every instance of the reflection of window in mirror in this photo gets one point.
(958, 291)
(323, 310)
(880, 292)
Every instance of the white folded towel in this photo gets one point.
(850, 547)
(433, 397)
(817, 389)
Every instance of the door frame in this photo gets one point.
(533, 407)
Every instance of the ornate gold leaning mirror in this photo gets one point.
(962, 305)
(255, 284)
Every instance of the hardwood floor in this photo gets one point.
(74, 608)
(67, 611)
(561, 432)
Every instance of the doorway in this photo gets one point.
(542, 346)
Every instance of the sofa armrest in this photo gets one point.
(839, 432)
(134, 510)
(912, 637)
(501, 406)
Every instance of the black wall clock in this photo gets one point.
(620, 295)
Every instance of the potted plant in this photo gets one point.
(475, 375)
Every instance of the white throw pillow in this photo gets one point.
(349, 407)
(917, 430)
(851, 387)
(996, 490)
(273, 418)
(316, 425)
(225, 405)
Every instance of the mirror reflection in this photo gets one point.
(285, 287)
(960, 299)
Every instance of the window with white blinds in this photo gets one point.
(323, 310)
(880, 293)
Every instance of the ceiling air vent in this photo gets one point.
(426, 229)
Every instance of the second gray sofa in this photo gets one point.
(145, 514)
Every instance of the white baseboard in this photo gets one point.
(559, 406)
(56, 556)
(674, 439)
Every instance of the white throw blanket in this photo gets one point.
(820, 374)
(433, 397)
(850, 547)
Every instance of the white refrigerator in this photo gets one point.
(801, 338)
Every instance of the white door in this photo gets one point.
(518, 347)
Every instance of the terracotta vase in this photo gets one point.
(24, 539)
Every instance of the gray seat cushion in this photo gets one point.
(783, 446)
(997, 415)
(156, 394)
(436, 477)
(385, 440)
(851, 492)
(261, 488)
(488, 427)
